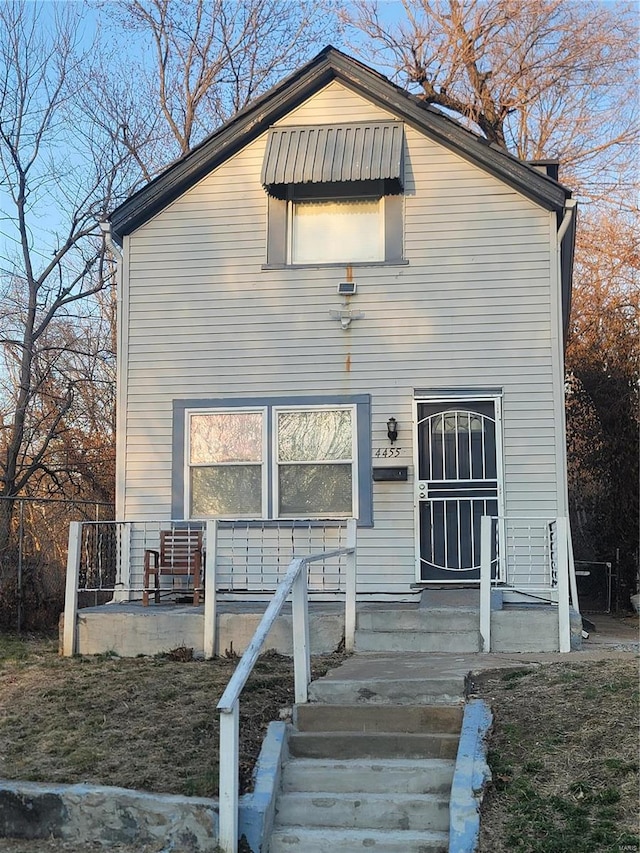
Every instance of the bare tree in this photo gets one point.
(554, 79)
(197, 62)
(603, 413)
(55, 180)
(540, 78)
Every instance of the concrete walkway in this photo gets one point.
(613, 637)
(440, 677)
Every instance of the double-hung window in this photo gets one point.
(315, 460)
(226, 453)
(275, 461)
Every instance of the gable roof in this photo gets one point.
(331, 64)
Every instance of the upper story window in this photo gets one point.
(334, 194)
(336, 230)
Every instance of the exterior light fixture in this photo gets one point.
(392, 429)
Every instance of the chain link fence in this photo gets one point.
(33, 564)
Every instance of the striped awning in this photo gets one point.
(362, 151)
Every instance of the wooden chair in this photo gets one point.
(180, 554)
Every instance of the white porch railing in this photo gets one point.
(295, 582)
(242, 558)
(528, 556)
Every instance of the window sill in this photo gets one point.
(341, 265)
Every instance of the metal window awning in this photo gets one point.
(332, 153)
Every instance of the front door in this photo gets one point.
(457, 483)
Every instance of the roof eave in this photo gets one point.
(328, 65)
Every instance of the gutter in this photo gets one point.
(105, 227)
(569, 210)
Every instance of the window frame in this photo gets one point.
(189, 466)
(353, 460)
(362, 466)
(280, 221)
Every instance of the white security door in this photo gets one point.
(458, 483)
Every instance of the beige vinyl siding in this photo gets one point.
(335, 104)
(471, 309)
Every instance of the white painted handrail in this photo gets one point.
(247, 662)
(294, 582)
(564, 617)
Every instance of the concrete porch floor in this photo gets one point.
(129, 629)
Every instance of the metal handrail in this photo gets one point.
(294, 582)
(561, 554)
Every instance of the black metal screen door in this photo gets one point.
(457, 484)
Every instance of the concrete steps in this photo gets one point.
(366, 775)
(359, 810)
(423, 690)
(372, 745)
(419, 630)
(323, 840)
(402, 775)
(373, 718)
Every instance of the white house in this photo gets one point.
(343, 303)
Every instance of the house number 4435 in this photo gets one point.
(387, 452)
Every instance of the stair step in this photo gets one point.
(417, 641)
(397, 775)
(344, 745)
(378, 718)
(326, 840)
(433, 620)
(363, 811)
(446, 690)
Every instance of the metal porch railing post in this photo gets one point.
(20, 561)
(228, 786)
(486, 528)
(210, 590)
(351, 587)
(564, 620)
(71, 589)
(123, 532)
(301, 652)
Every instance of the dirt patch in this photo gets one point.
(564, 757)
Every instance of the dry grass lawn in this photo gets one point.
(146, 723)
(564, 757)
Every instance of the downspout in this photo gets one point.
(105, 227)
(569, 213)
(117, 255)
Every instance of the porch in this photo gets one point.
(517, 608)
(129, 629)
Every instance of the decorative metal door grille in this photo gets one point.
(457, 485)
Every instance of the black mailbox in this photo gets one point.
(390, 475)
